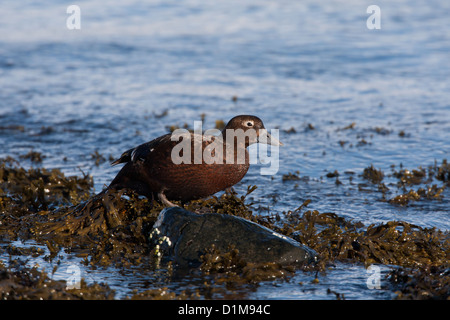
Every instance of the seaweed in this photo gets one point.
(228, 203)
(373, 175)
(163, 293)
(112, 227)
(424, 283)
(230, 268)
(98, 158)
(220, 124)
(420, 177)
(391, 243)
(442, 173)
(33, 156)
(291, 176)
(20, 282)
(413, 177)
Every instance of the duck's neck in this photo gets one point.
(233, 138)
(235, 148)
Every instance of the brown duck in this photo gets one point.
(215, 163)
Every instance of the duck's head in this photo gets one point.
(252, 128)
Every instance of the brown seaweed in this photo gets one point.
(112, 227)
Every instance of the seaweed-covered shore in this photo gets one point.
(112, 228)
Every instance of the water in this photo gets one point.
(101, 88)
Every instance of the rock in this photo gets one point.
(184, 236)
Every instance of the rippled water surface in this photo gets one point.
(343, 97)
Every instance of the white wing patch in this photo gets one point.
(135, 158)
(133, 155)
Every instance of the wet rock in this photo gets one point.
(185, 236)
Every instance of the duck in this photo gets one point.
(184, 166)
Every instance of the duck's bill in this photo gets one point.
(267, 138)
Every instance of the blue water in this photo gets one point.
(101, 88)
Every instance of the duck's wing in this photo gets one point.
(141, 152)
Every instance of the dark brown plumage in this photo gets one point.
(150, 170)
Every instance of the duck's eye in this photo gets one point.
(249, 124)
